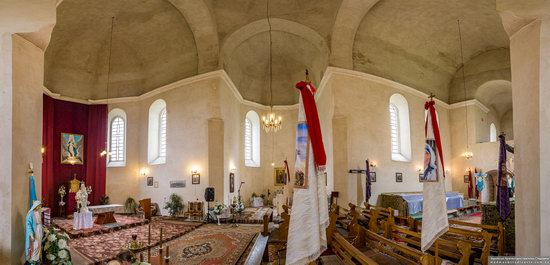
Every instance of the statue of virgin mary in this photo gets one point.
(33, 234)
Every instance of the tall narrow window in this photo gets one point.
(400, 131)
(162, 134)
(493, 133)
(252, 139)
(394, 124)
(157, 134)
(117, 138)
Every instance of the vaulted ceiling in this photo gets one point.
(156, 42)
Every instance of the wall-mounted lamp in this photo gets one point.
(272, 164)
(194, 171)
(232, 170)
(420, 169)
(143, 172)
(42, 150)
(372, 164)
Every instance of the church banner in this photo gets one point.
(309, 219)
(434, 205)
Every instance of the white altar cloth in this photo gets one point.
(97, 209)
(82, 220)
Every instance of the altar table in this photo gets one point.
(82, 220)
(105, 213)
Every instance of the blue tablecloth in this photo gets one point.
(414, 201)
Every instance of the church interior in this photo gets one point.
(274, 131)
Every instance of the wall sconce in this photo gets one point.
(372, 164)
(194, 171)
(232, 170)
(42, 150)
(143, 172)
(420, 169)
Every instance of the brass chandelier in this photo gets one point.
(270, 122)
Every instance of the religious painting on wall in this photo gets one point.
(72, 149)
(302, 156)
(430, 162)
(372, 176)
(149, 181)
(195, 178)
(466, 179)
(398, 177)
(280, 176)
(231, 182)
(420, 177)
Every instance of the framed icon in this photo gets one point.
(195, 178)
(372, 177)
(398, 177)
(149, 181)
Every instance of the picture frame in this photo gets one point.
(72, 149)
(372, 176)
(231, 182)
(398, 177)
(156, 184)
(420, 177)
(177, 184)
(150, 181)
(195, 178)
(279, 175)
(466, 179)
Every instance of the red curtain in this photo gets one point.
(97, 139)
(68, 117)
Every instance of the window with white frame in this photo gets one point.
(400, 131)
(117, 138)
(157, 134)
(252, 139)
(493, 133)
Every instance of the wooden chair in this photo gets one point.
(145, 205)
(195, 210)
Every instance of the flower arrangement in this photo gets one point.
(218, 208)
(55, 246)
(62, 192)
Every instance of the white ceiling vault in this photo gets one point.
(157, 42)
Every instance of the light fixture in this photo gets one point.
(270, 122)
(143, 172)
(272, 164)
(468, 155)
(42, 150)
(104, 151)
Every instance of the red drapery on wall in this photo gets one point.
(68, 117)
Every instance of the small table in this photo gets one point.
(82, 220)
(105, 213)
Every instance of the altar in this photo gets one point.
(105, 213)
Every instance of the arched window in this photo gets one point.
(493, 133)
(117, 138)
(400, 132)
(252, 139)
(156, 152)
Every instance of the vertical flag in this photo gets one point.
(368, 191)
(503, 198)
(32, 191)
(307, 230)
(434, 205)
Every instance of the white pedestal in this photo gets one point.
(82, 221)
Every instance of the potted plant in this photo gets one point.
(174, 205)
(130, 205)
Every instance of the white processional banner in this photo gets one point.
(309, 217)
(434, 207)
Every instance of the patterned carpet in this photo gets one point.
(253, 215)
(212, 245)
(104, 247)
(123, 221)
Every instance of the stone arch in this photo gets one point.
(203, 26)
(348, 19)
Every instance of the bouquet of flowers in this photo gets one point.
(55, 246)
(218, 208)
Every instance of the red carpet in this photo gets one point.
(123, 221)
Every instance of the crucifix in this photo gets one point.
(431, 96)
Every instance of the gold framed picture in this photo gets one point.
(280, 176)
(72, 149)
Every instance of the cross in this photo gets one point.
(431, 96)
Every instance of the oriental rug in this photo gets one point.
(253, 215)
(212, 245)
(123, 221)
(98, 249)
